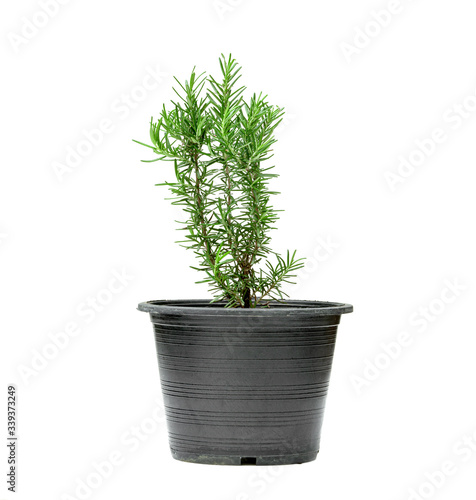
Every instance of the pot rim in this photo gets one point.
(205, 307)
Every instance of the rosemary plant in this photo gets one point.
(218, 143)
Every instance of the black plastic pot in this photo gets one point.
(244, 386)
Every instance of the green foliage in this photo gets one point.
(218, 143)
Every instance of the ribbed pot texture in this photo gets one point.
(244, 386)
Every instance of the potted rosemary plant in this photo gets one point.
(244, 375)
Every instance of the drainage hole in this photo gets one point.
(248, 460)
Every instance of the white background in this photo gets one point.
(353, 110)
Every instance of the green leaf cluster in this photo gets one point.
(219, 143)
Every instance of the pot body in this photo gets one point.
(244, 386)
